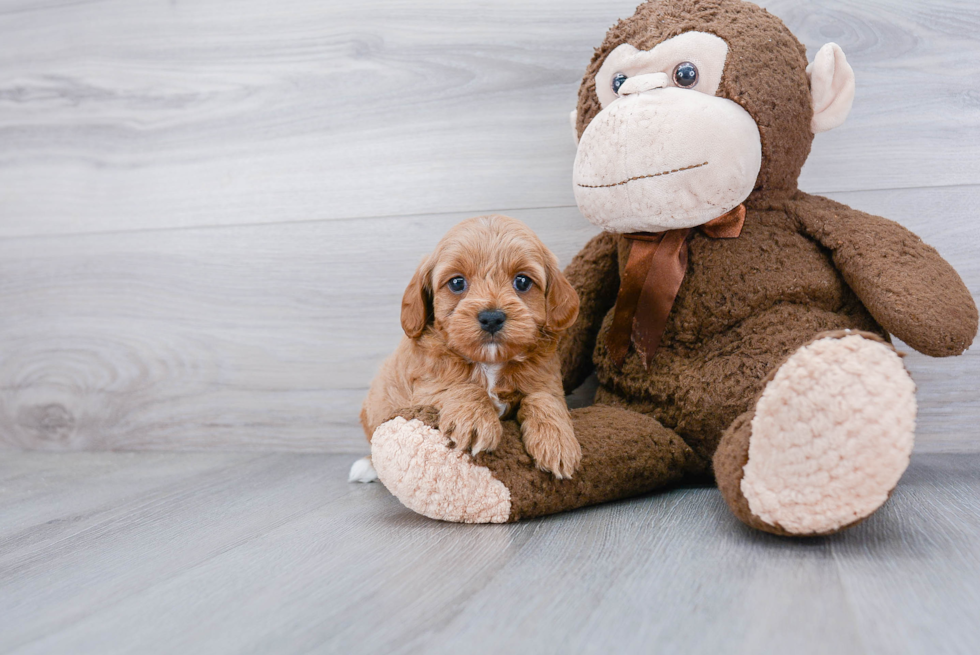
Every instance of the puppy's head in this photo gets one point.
(491, 290)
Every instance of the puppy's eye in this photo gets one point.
(617, 81)
(457, 284)
(686, 75)
(522, 283)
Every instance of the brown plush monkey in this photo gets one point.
(738, 326)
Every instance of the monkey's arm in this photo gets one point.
(905, 284)
(594, 273)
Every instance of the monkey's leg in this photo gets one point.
(623, 454)
(826, 441)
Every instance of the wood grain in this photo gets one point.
(284, 130)
(914, 562)
(278, 553)
(252, 337)
(266, 337)
(118, 116)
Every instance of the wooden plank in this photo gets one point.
(101, 555)
(118, 116)
(255, 337)
(913, 579)
(266, 337)
(344, 568)
(37, 513)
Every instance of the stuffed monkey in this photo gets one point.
(739, 328)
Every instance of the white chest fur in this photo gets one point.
(490, 373)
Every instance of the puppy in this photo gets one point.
(482, 317)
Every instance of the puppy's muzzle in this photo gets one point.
(491, 320)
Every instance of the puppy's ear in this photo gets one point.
(561, 299)
(417, 302)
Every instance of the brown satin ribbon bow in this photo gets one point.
(653, 275)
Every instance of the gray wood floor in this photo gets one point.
(277, 553)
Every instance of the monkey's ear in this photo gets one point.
(831, 88)
(417, 310)
(573, 117)
(561, 299)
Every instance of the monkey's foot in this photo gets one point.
(623, 454)
(423, 470)
(827, 441)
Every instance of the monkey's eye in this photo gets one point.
(522, 283)
(617, 81)
(457, 284)
(686, 75)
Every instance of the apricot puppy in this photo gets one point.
(482, 317)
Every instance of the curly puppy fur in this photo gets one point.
(474, 377)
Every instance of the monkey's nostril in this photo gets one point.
(491, 320)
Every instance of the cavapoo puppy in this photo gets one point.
(482, 318)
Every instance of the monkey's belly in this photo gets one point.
(699, 390)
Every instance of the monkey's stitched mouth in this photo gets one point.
(643, 177)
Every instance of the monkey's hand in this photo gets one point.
(905, 284)
(594, 274)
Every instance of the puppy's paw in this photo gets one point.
(471, 426)
(553, 446)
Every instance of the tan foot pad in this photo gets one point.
(420, 468)
(831, 436)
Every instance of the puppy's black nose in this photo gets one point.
(491, 320)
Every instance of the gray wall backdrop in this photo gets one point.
(209, 210)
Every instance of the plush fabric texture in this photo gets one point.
(773, 336)
(732, 456)
(745, 305)
(768, 78)
(830, 437)
(650, 282)
(622, 455)
(704, 162)
(594, 274)
(423, 470)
